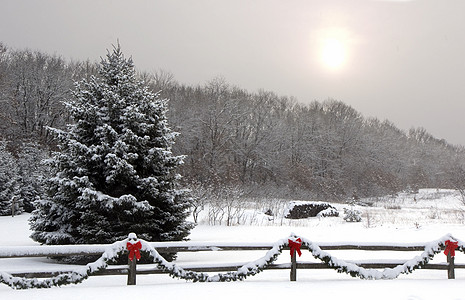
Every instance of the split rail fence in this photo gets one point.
(176, 247)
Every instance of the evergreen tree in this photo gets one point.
(115, 172)
(32, 171)
(8, 182)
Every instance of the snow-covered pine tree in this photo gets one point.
(31, 170)
(115, 172)
(8, 182)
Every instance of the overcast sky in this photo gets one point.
(397, 60)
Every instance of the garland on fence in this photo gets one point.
(253, 268)
(75, 276)
(431, 249)
(249, 269)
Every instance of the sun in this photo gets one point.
(333, 53)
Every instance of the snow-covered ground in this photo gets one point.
(418, 218)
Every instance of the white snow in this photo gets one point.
(390, 225)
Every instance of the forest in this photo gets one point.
(251, 144)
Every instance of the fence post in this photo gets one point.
(132, 271)
(451, 266)
(294, 265)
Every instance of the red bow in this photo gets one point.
(295, 245)
(450, 247)
(134, 250)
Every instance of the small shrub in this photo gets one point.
(393, 206)
(352, 215)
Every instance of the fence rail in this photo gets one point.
(176, 247)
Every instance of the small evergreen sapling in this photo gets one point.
(115, 172)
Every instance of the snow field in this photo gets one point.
(428, 206)
(160, 287)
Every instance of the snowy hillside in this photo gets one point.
(407, 218)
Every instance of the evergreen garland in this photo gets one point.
(249, 269)
(73, 277)
(352, 269)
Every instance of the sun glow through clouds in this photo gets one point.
(333, 53)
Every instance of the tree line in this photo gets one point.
(261, 143)
(273, 145)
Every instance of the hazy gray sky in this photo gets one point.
(398, 60)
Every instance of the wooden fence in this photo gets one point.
(175, 247)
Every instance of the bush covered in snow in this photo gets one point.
(304, 209)
(352, 215)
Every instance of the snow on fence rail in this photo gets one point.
(174, 247)
(133, 246)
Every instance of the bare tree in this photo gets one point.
(35, 87)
